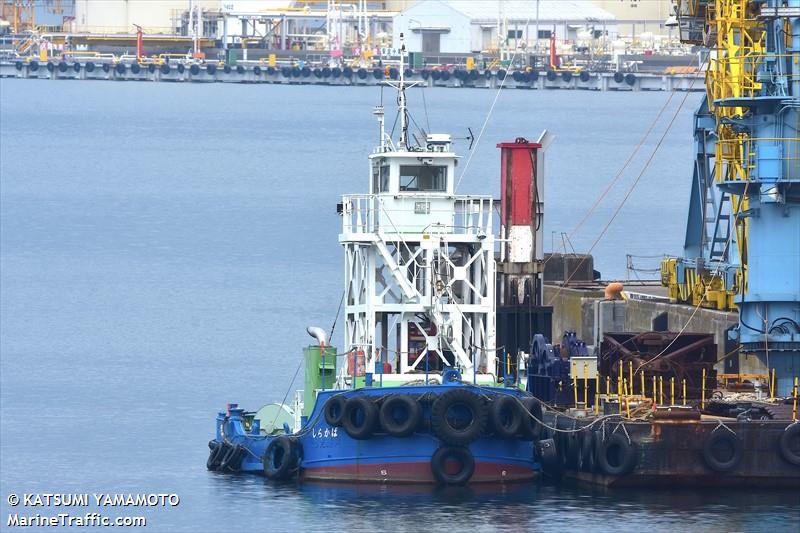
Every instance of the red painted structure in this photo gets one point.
(139, 43)
(517, 182)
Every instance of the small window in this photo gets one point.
(544, 34)
(423, 178)
(515, 34)
(380, 178)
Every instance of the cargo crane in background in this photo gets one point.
(742, 247)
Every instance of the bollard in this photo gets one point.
(703, 391)
(619, 382)
(630, 376)
(644, 392)
(655, 392)
(794, 400)
(672, 390)
(772, 386)
(661, 390)
(597, 393)
(627, 398)
(608, 388)
(586, 384)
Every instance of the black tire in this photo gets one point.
(295, 72)
(194, 70)
(151, 68)
(630, 79)
(789, 444)
(50, 67)
(347, 72)
(408, 73)
(334, 410)
(281, 458)
(181, 68)
(33, 66)
(445, 75)
(89, 67)
(326, 72)
(551, 76)
(211, 69)
(226, 69)
(239, 69)
(135, 68)
(164, 69)
(531, 428)
(232, 461)
(360, 417)
(425, 74)
(566, 76)
(547, 454)
(62, 66)
(435, 75)
(619, 77)
(305, 72)
(452, 453)
(501, 74)
(106, 67)
(506, 415)
(458, 434)
(336, 72)
(394, 73)
(362, 74)
(257, 70)
(584, 76)
(616, 456)
(722, 451)
(400, 415)
(516, 75)
(120, 68)
(214, 455)
(587, 442)
(377, 74)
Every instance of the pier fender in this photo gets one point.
(530, 426)
(789, 444)
(239, 69)
(408, 73)
(62, 66)
(619, 77)
(347, 72)
(76, 67)
(214, 455)
(232, 461)
(257, 70)
(377, 74)
(89, 67)
(400, 415)
(360, 417)
(506, 416)
(286, 72)
(442, 463)
(326, 72)
(425, 74)
(517, 75)
(547, 455)
(501, 74)
(151, 68)
(164, 69)
(106, 67)
(435, 74)
(281, 458)
(334, 410)
(305, 72)
(551, 76)
(534, 75)
(181, 68)
(18, 65)
(394, 73)
(33, 66)
(194, 70)
(120, 68)
(226, 69)
(317, 72)
(458, 417)
(616, 456)
(362, 74)
(211, 68)
(566, 76)
(135, 68)
(473, 75)
(445, 75)
(50, 66)
(584, 76)
(630, 79)
(722, 451)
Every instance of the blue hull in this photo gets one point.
(330, 453)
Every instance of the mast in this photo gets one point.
(402, 98)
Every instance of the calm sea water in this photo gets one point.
(163, 246)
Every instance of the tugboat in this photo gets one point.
(423, 393)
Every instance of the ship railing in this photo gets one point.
(766, 157)
(463, 215)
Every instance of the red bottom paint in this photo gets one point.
(413, 473)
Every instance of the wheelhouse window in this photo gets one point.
(380, 178)
(428, 178)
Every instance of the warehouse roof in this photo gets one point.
(525, 10)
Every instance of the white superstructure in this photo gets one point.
(419, 262)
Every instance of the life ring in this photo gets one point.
(232, 462)
(531, 426)
(551, 75)
(281, 458)
(630, 79)
(194, 70)
(89, 67)
(450, 454)
(722, 451)
(211, 68)
(214, 454)
(33, 66)
(619, 77)
(164, 69)
(400, 415)
(334, 410)
(120, 68)
(547, 454)
(616, 456)
(239, 69)
(469, 420)
(506, 416)
(584, 76)
(360, 417)
(135, 68)
(62, 66)
(789, 444)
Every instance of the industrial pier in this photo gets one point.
(175, 71)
